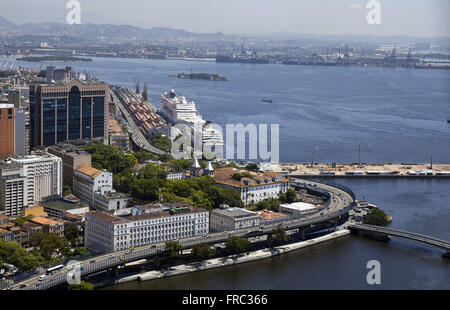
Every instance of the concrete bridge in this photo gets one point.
(378, 230)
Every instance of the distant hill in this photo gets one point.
(104, 32)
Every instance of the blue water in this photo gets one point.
(416, 205)
(396, 115)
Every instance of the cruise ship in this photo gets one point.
(178, 110)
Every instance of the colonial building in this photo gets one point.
(137, 226)
(87, 181)
(227, 218)
(257, 187)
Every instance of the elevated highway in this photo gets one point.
(341, 200)
(138, 138)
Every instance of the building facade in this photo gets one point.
(226, 218)
(72, 158)
(121, 229)
(257, 187)
(88, 181)
(12, 190)
(71, 111)
(110, 201)
(298, 209)
(43, 173)
(7, 128)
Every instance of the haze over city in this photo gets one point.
(418, 18)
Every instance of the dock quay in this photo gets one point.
(355, 170)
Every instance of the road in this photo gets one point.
(340, 203)
(136, 134)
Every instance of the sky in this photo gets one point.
(417, 18)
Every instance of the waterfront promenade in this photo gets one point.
(226, 261)
(355, 170)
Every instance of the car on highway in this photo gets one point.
(42, 277)
(22, 285)
(153, 246)
(92, 261)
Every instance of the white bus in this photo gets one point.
(52, 270)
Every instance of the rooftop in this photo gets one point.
(63, 205)
(300, 206)
(270, 215)
(235, 212)
(45, 221)
(224, 176)
(88, 170)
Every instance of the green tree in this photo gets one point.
(173, 249)
(73, 233)
(278, 236)
(111, 158)
(162, 143)
(146, 189)
(289, 196)
(152, 171)
(13, 253)
(201, 200)
(376, 217)
(50, 245)
(252, 167)
(142, 156)
(202, 251)
(178, 165)
(66, 190)
(165, 157)
(21, 220)
(236, 244)
(82, 286)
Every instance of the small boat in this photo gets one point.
(267, 100)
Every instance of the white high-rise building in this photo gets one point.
(12, 189)
(43, 173)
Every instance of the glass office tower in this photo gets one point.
(64, 112)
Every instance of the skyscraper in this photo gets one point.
(71, 111)
(43, 173)
(6, 130)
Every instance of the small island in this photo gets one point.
(200, 76)
(53, 59)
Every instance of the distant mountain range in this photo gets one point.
(105, 33)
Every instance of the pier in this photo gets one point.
(355, 170)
